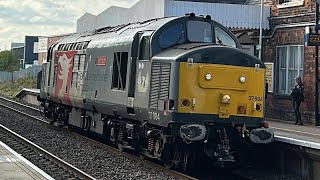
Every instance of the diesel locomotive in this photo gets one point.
(172, 88)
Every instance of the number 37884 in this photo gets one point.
(255, 98)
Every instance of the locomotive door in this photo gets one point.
(139, 81)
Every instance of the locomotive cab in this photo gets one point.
(191, 30)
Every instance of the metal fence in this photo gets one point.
(12, 76)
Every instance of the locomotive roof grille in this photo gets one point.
(111, 29)
(73, 46)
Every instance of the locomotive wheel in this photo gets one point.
(189, 159)
(120, 147)
(169, 156)
(167, 160)
(142, 156)
(42, 110)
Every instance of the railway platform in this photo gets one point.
(15, 167)
(295, 150)
(288, 132)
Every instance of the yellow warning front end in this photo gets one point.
(221, 90)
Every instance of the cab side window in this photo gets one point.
(145, 48)
(224, 38)
(119, 77)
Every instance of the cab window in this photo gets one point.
(145, 48)
(172, 36)
(224, 38)
(199, 31)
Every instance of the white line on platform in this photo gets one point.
(295, 131)
(297, 142)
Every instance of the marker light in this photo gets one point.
(208, 76)
(185, 102)
(242, 109)
(242, 79)
(257, 106)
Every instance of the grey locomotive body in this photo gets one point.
(122, 83)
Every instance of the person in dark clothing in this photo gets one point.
(297, 97)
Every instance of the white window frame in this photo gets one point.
(287, 91)
(291, 3)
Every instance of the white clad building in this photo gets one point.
(230, 15)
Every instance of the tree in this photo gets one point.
(8, 62)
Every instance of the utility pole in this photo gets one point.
(317, 68)
(260, 37)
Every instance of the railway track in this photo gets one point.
(34, 113)
(36, 153)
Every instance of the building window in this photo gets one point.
(290, 3)
(119, 76)
(290, 65)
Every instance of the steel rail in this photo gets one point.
(112, 149)
(47, 154)
(15, 102)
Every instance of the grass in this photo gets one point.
(10, 89)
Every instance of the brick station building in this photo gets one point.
(283, 45)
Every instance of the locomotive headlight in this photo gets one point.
(226, 99)
(242, 79)
(208, 76)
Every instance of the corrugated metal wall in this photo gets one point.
(146, 9)
(5, 76)
(111, 17)
(12, 76)
(219, 1)
(86, 22)
(229, 15)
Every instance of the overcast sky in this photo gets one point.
(19, 18)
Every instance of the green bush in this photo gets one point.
(10, 89)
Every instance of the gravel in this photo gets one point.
(78, 151)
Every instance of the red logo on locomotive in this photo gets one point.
(64, 62)
(102, 61)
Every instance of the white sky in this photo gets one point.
(20, 18)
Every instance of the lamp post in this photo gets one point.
(260, 36)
